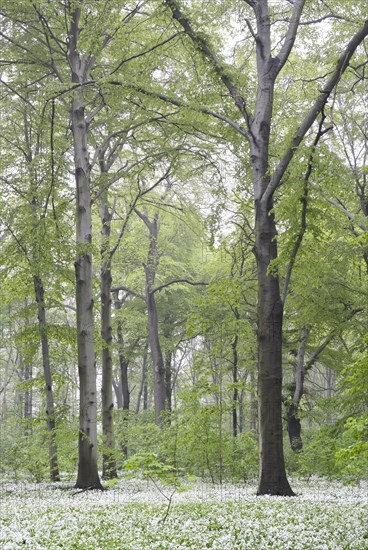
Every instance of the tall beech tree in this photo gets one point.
(26, 192)
(255, 128)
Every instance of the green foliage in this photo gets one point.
(353, 456)
(151, 467)
(24, 449)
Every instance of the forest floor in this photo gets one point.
(134, 515)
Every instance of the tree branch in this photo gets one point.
(318, 106)
(216, 63)
(179, 103)
(161, 287)
(338, 205)
(289, 40)
(129, 291)
(141, 54)
(313, 358)
(304, 201)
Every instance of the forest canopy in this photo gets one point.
(183, 228)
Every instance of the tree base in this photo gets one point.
(275, 489)
(96, 486)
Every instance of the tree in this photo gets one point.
(257, 115)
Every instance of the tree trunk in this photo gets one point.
(123, 368)
(108, 459)
(27, 409)
(168, 380)
(143, 385)
(292, 416)
(157, 358)
(118, 393)
(88, 477)
(153, 332)
(123, 363)
(253, 423)
(273, 478)
(235, 388)
(50, 405)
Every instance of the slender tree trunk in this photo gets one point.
(241, 410)
(88, 477)
(153, 332)
(28, 397)
(123, 363)
(50, 404)
(235, 389)
(108, 458)
(124, 380)
(124, 384)
(167, 332)
(123, 373)
(118, 393)
(168, 380)
(157, 357)
(292, 410)
(143, 385)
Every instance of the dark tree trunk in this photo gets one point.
(153, 332)
(108, 458)
(273, 478)
(50, 404)
(235, 387)
(157, 357)
(123, 363)
(123, 369)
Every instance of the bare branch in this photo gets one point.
(129, 291)
(141, 54)
(174, 281)
(338, 205)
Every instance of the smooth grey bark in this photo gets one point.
(150, 270)
(80, 66)
(28, 396)
(116, 384)
(50, 404)
(168, 324)
(143, 388)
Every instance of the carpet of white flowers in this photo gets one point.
(133, 516)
